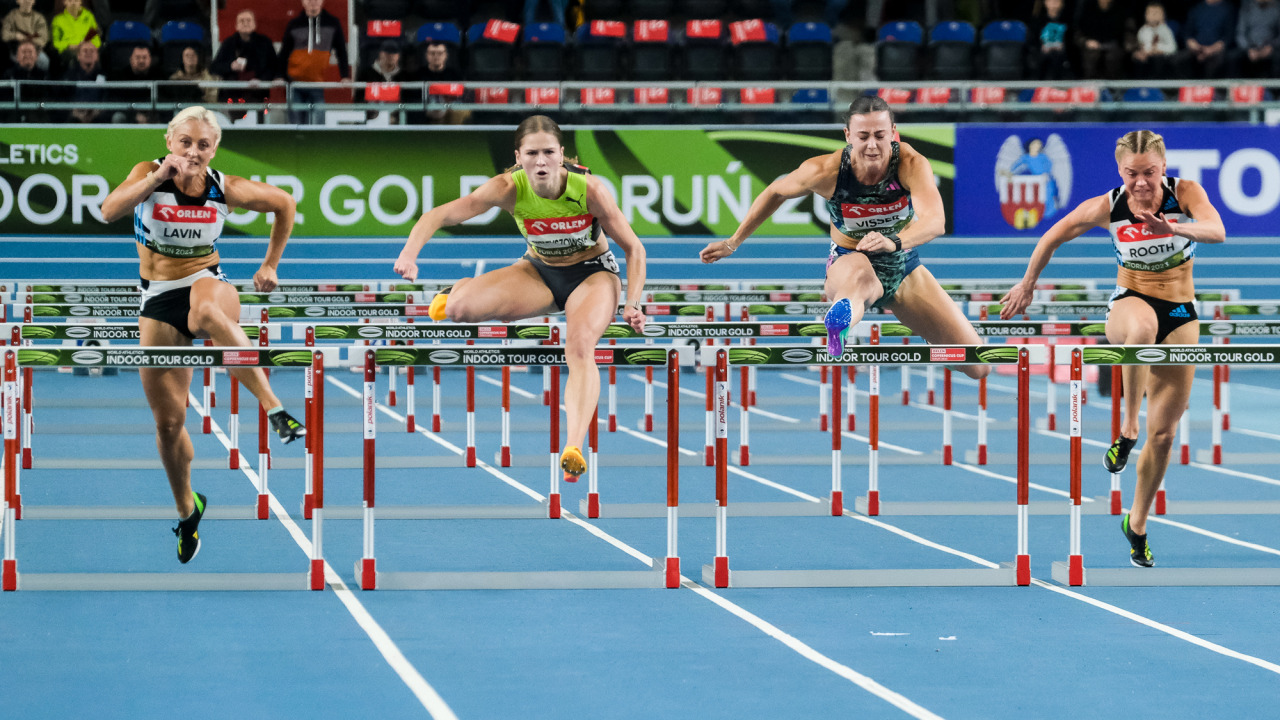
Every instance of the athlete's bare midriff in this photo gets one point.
(1174, 284)
(595, 251)
(157, 267)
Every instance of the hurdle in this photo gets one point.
(1073, 572)
(719, 573)
(664, 573)
(193, 357)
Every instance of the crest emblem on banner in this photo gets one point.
(1033, 179)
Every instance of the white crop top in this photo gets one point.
(176, 225)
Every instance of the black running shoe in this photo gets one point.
(286, 426)
(1139, 551)
(1118, 454)
(188, 538)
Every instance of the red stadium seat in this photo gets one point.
(652, 96)
(598, 96)
(704, 96)
(1196, 94)
(895, 96)
(492, 96)
(933, 95)
(542, 96)
(758, 96)
(1247, 94)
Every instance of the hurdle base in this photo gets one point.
(980, 507)
(1171, 577)
(525, 580)
(125, 512)
(163, 582)
(1005, 575)
(708, 510)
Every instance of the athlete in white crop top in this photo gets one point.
(179, 205)
(1155, 223)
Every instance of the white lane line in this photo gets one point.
(514, 388)
(1255, 433)
(1214, 535)
(862, 681)
(418, 685)
(1236, 473)
(1009, 478)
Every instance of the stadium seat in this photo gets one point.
(951, 46)
(757, 96)
(490, 50)
(1143, 94)
(542, 52)
(1003, 50)
(442, 32)
(597, 50)
(987, 95)
(542, 96)
(122, 37)
(1196, 94)
(600, 100)
(705, 50)
(707, 97)
(898, 51)
(808, 51)
(497, 98)
(176, 36)
(652, 52)
(182, 31)
(755, 50)
(649, 9)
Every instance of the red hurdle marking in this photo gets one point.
(1075, 565)
(873, 436)
(553, 498)
(946, 415)
(233, 425)
(1022, 566)
(316, 431)
(648, 397)
(593, 476)
(367, 568)
(721, 566)
(613, 393)
(1051, 394)
(546, 377)
(744, 450)
(9, 575)
(471, 413)
(673, 468)
(504, 455)
(837, 494)
(1117, 392)
(982, 420)
(264, 448)
(206, 416)
(906, 379)
(308, 408)
(823, 398)
(853, 399)
(435, 399)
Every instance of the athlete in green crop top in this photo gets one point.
(561, 211)
(883, 204)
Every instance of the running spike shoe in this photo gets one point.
(286, 426)
(188, 538)
(572, 463)
(1118, 454)
(436, 310)
(1139, 551)
(837, 322)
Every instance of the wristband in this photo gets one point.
(897, 243)
(732, 249)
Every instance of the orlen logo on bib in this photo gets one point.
(1136, 232)
(557, 226)
(182, 213)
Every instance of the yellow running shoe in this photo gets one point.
(572, 463)
(436, 310)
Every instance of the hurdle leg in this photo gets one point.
(309, 498)
(837, 462)
(1075, 564)
(1215, 430)
(553, 401)
(930, 383)
(409, 397)
(1022, 562)
(471, 416)
(233, 425)
(710, 396)
(593, 477)
(28, 420)
(721, 567)
(435, 399)
(613, 398)
(853, 399)
(316, 571)
(366, 569)
(206, 416)
(9, 574)
(744, 448)
(823, 399)
(673, 468)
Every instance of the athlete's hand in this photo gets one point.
(265, 279)
(1016, 300)
(635, 317)
(1155, 222)
(716, 250)
(171, 167)
(874, 242)
(407, 267)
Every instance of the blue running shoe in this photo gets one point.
(837, 322)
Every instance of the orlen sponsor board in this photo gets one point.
(937, 354)
(181, 213)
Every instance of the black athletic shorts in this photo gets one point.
(1169, 315)
(563, 280)
(169, 301)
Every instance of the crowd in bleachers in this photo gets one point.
(447, 49)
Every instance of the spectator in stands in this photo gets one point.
(73, 26)
(1209, 30)
(1156, 45)
(247, 56)
(385, 69)
(27, 72)
(437, 67)
(194, 71)
(1100, 34)
(24, 24)
(1049, 38)
(308, 41)
(86, 70)
(141, 69)
(1257, 35)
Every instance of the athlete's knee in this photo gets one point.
(1160, 439)
(580, 353)
(209, 317)
(977, 372)
(169, 426)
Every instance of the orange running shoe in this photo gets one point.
(571, 462)
(436, 310)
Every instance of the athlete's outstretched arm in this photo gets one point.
(498, 191)
(1091, 213)
(261, 197)
(600, 204)
(916, 175)
(798, 183)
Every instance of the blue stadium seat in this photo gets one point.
(176, 36)
(543, 52)
(1003, 50)
(1143, 94)
(445, 32)
(129, 31)
(951, 47)
(597, 56)
(808, 51)
(898, 51)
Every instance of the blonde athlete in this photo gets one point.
(564, 214)
(179, 205)
(883, 204)
(1155, 222)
